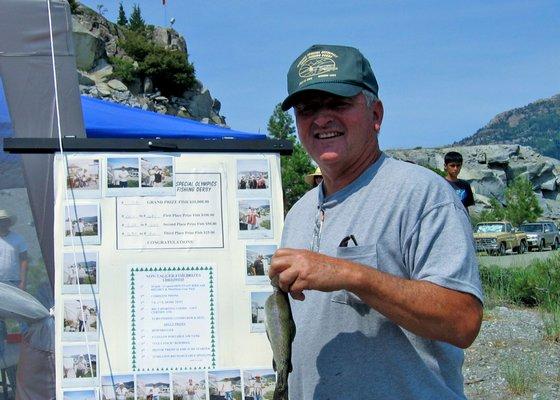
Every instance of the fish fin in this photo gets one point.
(290, 368)
(274, 365)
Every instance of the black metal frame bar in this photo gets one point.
(52, 145)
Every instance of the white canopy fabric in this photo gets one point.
(26, 72)
(36, 372)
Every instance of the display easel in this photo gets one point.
(210, 263)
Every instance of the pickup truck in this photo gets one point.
(495, 238)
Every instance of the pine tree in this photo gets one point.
(281, 124)
(122, 20)
(294, 167)
(522, 204)
(136, 22)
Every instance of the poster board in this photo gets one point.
(161, 263)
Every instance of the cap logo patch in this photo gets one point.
(320, 64)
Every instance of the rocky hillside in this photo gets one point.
(536, 125)
(102, 63)
(489, 169)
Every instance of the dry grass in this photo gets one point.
(520, 376)
(551, 322)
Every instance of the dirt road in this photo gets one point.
(516, 260)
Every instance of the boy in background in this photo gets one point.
(453, 162)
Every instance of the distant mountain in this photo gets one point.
(536, 125)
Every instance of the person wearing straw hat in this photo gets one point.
(13, 253)
(315, 178)
(383, 306)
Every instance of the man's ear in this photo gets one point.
(377, 115)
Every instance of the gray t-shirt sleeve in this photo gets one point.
(441, 250)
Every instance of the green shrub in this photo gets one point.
(551, 322)
(520, 375)
(169, 70)
(73, 6)
(123, 69)
(538, 284)
(436, 170)
(136, 45)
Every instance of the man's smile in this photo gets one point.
(327, 135)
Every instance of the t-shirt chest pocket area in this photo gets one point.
(365, 255)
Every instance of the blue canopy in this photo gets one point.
(104, 119)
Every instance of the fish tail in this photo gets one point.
(281, 389)
(280, 393)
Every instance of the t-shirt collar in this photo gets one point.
(342, 194)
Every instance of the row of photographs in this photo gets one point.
(82, 221)
(148, 176)
(82, 315)
(247, 384)
(80, 271)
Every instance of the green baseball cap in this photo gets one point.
(340, 70)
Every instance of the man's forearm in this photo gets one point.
(421, 307)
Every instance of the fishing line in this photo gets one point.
(68, 209)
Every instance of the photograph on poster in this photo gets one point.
(253, 178)
(117, 387)
(80, 394)
(259, 384)
(80, 272)
(189, 385)
(254, 218)
(224, 384)
(82, 224)
(79, 365)
(257, 262)
(80, 319)
(123, 176)
(83, 177)
(257, 310)
(153, 386)
(157, 175)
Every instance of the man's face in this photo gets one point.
(338, 132)
(453, 169)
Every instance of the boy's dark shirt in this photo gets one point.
(464, 191)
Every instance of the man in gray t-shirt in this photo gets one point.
(379, 257)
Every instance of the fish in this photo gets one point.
(281, 330)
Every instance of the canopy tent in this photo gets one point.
(36, 371)
(104, 119)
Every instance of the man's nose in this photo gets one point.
(323, 117)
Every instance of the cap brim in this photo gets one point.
(336, 88)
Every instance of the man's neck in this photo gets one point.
(450, 179)
(334, 180)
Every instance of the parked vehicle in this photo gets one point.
(541, 234)
(497, 237)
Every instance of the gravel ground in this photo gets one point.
(512, 338)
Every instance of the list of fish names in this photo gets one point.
(172, 317)
(190, 219)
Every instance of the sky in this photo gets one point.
(445, 68)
